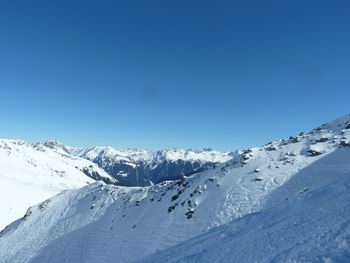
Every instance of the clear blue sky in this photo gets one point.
(155, 74)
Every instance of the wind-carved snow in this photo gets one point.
(30, 174)
(286, 201)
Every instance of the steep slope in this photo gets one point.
(126, 166)
(29, 174)
(309, 223)
(133, 167)
(104, 223)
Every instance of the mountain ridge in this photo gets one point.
(29, 174)
(144, 220)
(138, 167)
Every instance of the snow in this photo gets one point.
(305, 220)
(129, 156)
(29, 174)
(141, 155)
(297, 211)
(194, 155)
(123, 174)
(145, 167)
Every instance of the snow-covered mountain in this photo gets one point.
(29, 174)
(286, 201)
(134, 167)
(305, 220)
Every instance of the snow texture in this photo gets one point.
(29, 174)
(286, 201)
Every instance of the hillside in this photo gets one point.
(305, 220)
(29, 174)
(285, 191)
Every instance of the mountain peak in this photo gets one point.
(279, 182)
(55, 145)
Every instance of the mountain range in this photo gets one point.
(31, 173)
(286, 201)
(134, 167)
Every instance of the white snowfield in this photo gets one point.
(287, 201)
(107, 152)
(140, 155)
(30, 174)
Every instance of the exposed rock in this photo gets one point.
(295, 139)
(313, 153)
(271, 148)
(344, 144)
(323, 139)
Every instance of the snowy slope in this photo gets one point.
(105, 223)
(308, 221)
(134, 167)
(29, 174)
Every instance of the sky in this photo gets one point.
(161, 74)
